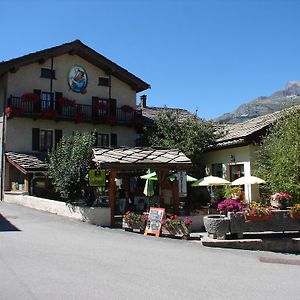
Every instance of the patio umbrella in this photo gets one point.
(211, 181)
(153, 176)
(247, 180)
(148, 189)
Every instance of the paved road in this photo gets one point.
(52, 257)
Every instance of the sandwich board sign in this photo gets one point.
(155, 217)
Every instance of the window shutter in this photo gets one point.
(37, 106)
(113, 107)
(113, 140)
(57, 136)
(94, 112)
(35, 139)
(58, 107)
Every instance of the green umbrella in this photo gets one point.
(172, 177)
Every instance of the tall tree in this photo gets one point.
(278, 160)
(191, 135)
(69, 163)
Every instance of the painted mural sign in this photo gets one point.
(77, 79)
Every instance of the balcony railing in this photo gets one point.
(78, 112)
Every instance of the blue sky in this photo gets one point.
(210, 56)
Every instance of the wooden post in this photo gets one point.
(175, 194)
(112, 195)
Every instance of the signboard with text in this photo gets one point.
(182, 188)
(155, 218)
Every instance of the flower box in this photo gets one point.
(258, 218)
(31, 97)
(183, 231)
(295, 215)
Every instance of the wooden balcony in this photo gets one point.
(77, 113)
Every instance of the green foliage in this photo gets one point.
(279, 156)
(192, 136)
(69, 163)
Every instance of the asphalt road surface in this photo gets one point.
(44, 256)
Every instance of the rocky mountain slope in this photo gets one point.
(264, 105)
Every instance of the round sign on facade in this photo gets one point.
(77, 79)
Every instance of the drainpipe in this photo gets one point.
(3, 134)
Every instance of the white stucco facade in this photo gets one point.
(231, 159)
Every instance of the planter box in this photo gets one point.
(178, 231)
(94, 215)
(216, 226)
(135, 227)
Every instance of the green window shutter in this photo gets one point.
(37, 106)
(58, 107)
(113, 140)
(35, 139)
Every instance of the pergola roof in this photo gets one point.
(140, 158)
(26, 163)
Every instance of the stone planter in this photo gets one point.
(258, 218)
(216, 226)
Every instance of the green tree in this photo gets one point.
(191, 135)
(68, 164)
(278, 160)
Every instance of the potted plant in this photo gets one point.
(229, 205)
(281, 200)
(132, 220)
(258, 212)
(295, 211)
(175, 226)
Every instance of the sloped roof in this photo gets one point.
(150, 113)
(139, 158)
(244, 133)
(26, 163)
(82, 50)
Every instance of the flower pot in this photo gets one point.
(258, 218)
(295, 215)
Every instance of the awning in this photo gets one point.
(140, 158)
(26, 163)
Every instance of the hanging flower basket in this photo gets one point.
(11, 112)
(31, 97)
(66, 102)
(127, 109)
(49, 113)
(79, 117)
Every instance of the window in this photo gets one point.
(101, 107)
(43, 139)
(46, 139)
(217, 170)
(236, 171)
(103, 81)
(102, 140)
(47, 100)
(47, 73)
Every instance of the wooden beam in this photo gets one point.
(112, 194)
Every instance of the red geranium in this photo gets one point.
(31, 97)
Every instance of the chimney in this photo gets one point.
(143, 101)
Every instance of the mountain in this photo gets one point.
(264, 105)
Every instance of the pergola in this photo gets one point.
(138, 158)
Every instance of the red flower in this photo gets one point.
(63, 101)
(127, 108)
(49, 113)
(31, 97)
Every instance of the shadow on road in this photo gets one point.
(5, 225)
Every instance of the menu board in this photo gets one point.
(155, 217)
